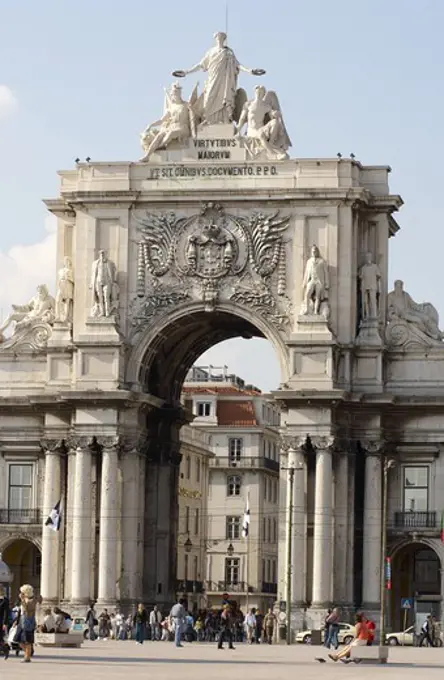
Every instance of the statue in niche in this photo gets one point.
(39, 308)
(176, 124)
(217, 103)
(316, 284)
(104, 286)
(370, 282)
(65, 293)
(266, 129)
(424, 316)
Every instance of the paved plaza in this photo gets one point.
(109, 660)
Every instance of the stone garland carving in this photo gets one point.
(316, 285)
(32, 323)
(411, 324)
(104, 287)
(65, 293)
(201, 258)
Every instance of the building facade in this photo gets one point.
(244, 427)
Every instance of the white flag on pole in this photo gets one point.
(246, 520)
(55, 517)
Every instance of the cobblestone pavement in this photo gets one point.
(109, 660)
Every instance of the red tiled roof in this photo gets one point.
(227, 390)
(236, 414)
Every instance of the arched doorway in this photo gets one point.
(160, 361)
(24, 559)
(416, 570)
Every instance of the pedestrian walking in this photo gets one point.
(332, 628)
(104, 625)
(250, 625)
(177, 614)
(140, 620)
(155, 621)
(270, 623)
(91, 621)
(26, 624)
(4, 622)
(226, 628)
(427, 632)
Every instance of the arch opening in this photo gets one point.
(167, 355)
(24, 560)
(416, 569)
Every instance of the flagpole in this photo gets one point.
(247, 558)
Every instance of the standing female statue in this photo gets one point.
(218, 103)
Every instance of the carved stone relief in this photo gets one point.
(32, 323)
(211, 257)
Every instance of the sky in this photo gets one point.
(83, 79)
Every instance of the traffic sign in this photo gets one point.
(406, 603)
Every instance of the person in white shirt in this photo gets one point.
(250, 625)
(155, 620)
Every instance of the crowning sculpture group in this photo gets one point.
(222, 103)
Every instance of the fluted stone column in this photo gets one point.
(323, 523)
(133, 478)
(372, 526)
(81, 527)
(52, 492)
(341, 519)
(296, 461)
(108, 525)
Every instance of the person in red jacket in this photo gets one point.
(371, 630)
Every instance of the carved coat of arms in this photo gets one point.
(203, 257)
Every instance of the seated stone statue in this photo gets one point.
(421, 317)
(176, 124)
(39, 308)
(266, 132)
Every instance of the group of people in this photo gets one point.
(430, 632)
(331, 628)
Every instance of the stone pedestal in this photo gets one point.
(369, 335)
(312, 354)
(108, 539)
(81, 528)
(61, 335)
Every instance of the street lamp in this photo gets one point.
(188, 545)
(388, 463)
(230, 550)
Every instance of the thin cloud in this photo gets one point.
(8, 101)
(24, 267)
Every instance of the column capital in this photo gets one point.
(109, 443)
(327, 443)
(374, 447)
(293, 442)
(82, 442)
(54, 446)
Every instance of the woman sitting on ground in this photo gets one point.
(361, 639)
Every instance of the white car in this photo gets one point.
(345, 635)
(406, 637)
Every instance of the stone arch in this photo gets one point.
(22, 554)
(179, 338)
(416, 574)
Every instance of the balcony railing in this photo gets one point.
(224, 587)
(8, 516)
(254, 462)
(415, 520)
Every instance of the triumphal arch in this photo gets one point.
(217, 232)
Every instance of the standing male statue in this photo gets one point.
(65, 293)
(316, 282)
(103, 285)
(220, 87)
(370, 280)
